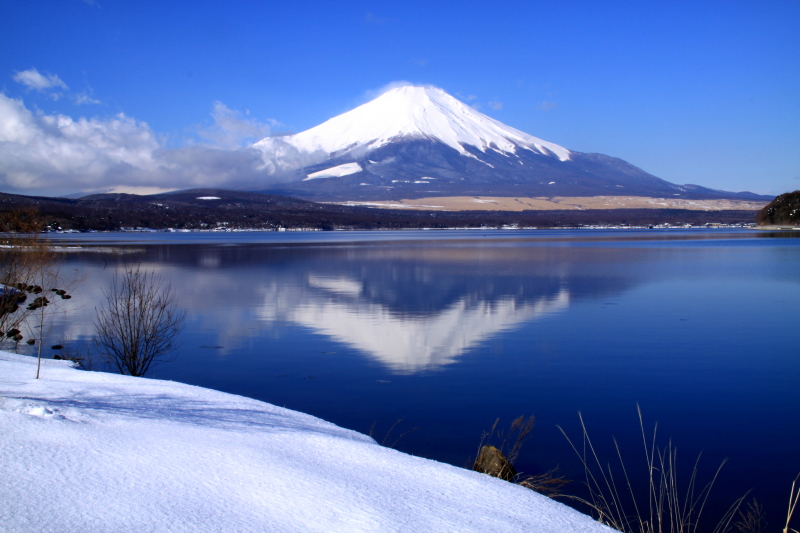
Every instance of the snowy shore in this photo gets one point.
(88, 451)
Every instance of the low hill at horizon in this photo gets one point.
(219, 208)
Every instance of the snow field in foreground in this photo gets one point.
(88, 451)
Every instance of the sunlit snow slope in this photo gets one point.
(91, 451)
(416, 112)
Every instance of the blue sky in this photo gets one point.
(693, 92)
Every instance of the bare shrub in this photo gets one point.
(24, 256)
(29, 273)
(140, 322)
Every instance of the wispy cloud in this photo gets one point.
(233, 129)
(84, 98)
(497, 106)
(372, 18)
(372, 94)
(419, 61)
(33, 79)
(547, 105)
(467, 98)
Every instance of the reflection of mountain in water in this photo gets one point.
(408, 343)
(410, 307)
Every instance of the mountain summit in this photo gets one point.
(413, 142)
(421, 113)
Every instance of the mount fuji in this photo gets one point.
(416, 142)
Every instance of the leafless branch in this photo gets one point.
(140, 323)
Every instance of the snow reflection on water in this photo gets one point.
(407, 343)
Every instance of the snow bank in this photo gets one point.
(89, 451)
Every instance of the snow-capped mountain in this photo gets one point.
(413, 142)
(407, 113)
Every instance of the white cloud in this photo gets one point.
(55, 154)
(497, 106)
(32, 79)
(38, 152)
(233, 130)
(547, 106)
(51, 84)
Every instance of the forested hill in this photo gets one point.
(782, 211)
(219, 208)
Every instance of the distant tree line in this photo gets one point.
(113, 212)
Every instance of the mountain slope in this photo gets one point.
(416, 113)
(413, 142)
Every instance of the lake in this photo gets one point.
(449, 330)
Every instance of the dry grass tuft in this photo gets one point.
(510, 443)
(794, 497)
(669, 508)
(389, 433)
(550, 483)
(753, 519)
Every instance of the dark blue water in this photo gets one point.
(451, 330)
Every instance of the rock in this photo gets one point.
(492, 461)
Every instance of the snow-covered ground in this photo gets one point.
(88, 451)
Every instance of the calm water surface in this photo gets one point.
(451, 330)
